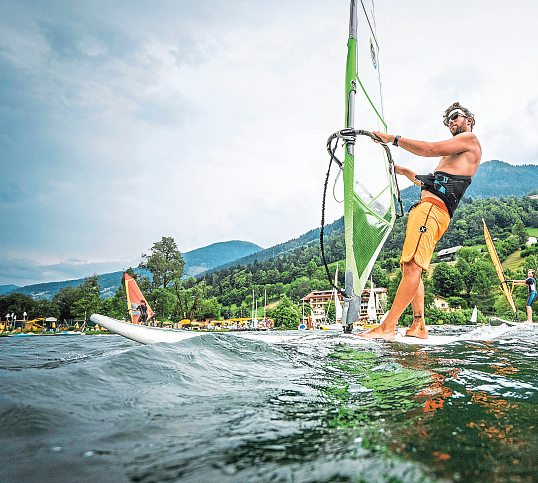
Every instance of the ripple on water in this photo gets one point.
(221, 408)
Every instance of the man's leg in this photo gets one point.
(418, 328)
(530, 301)
(407, 291)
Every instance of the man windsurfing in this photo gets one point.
(531, 283)
(429, 218)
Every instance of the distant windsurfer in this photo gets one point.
(143, 312)
(429, 218)
(531, 283)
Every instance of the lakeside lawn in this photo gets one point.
(513, 261)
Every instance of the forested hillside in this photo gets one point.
(298, 269)
(493, 179)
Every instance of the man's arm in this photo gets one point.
(519, 282)
(410, 175)
(458, 144)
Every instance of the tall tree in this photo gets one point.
(44, 308)
(17, 303)
(164, 261)
(519, 230)
(65, 299)
(447, 280)
(484, 285)
(116, 306)
(89, 300)
(286, 314)
(164, 302)
(210, 309)
(190, 298)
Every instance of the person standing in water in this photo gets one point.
(429, 218)
(531, 283)
(143, 312)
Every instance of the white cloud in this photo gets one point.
(208, 121)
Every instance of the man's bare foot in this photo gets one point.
(418, 328)
(378, 333)
(421, 333)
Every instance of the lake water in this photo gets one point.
(218, 408)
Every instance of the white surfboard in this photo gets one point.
(479, 334)
(155, 335)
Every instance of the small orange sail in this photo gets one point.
(134, 300)
(505, 289)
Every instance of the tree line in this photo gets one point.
(227, 293)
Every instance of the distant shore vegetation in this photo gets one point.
(468, 281)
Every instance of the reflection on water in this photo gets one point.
(221, 409)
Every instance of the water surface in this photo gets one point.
(218, 408)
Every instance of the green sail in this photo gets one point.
(369, 201)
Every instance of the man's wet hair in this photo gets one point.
(455, 106)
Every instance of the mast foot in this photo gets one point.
(352, 305)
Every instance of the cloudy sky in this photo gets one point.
(123, 121)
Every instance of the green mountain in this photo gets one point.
(298, 271)
(309, 238)
(196, 261)
(494, 179)
(203, 259)
(109, 283)
(7, 288)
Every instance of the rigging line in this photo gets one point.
(331, 150)
(378, 61)
(368, 19)
(337, 177)
(380, 117)
(349, 135)
(390, 161)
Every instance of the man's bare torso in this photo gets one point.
(461, 164)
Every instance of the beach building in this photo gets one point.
(317, 301)
(448, 254)
(442, 304)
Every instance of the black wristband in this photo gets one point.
(396, 139)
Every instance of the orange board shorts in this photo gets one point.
(427, 223)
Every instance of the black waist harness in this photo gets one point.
(449, 187)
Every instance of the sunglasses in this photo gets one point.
(453, 117)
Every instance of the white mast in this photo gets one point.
(264, 303)
(372, 309)
(252, 311)
(337, 304)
